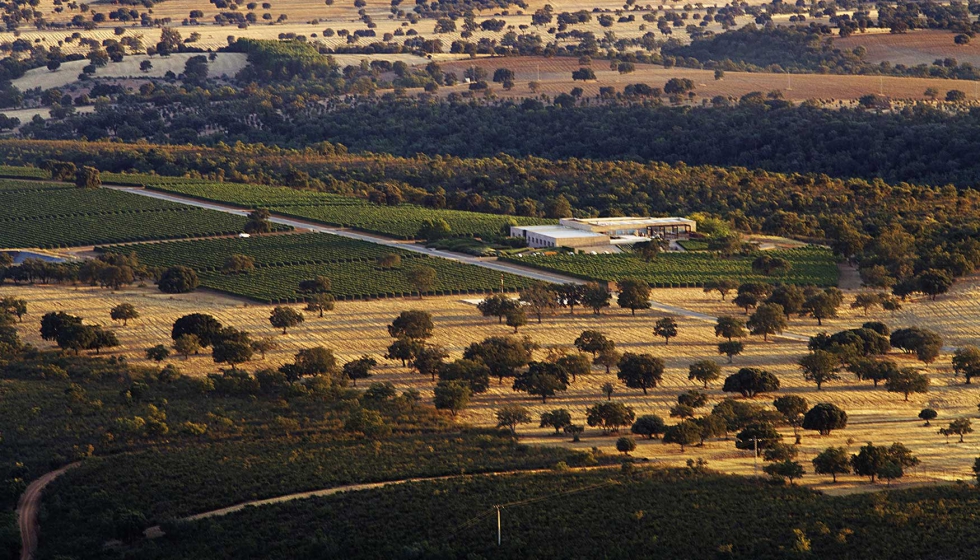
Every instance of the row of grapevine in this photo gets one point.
(273, 250)
(69, 217)
(359, 279)
(402, 221)
(672, 270)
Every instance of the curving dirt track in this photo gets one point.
(27, 508)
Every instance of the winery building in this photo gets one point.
(580, 233)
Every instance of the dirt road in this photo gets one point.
(27, 511)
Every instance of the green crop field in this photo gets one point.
(402, 221)
(359, 279)
(34, 214)
(282, 261)
(23, 172)
(809, 266)
(208, 255)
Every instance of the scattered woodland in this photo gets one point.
(259, 296)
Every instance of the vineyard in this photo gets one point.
(209, 255)
(47, 216)
(649, 514)
(282, 261)
(402, 221)
(677, 270)
(360, 279)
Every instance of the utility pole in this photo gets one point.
(498, 524)
(755, 454)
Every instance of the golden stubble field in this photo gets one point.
(358, 328)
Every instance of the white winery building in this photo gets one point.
(579, 233)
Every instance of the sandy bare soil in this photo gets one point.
(226, 65)
(357, 328)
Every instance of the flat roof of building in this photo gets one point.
(559, 232)
(627, 221)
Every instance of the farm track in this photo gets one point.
(409, 246)
(27, 510)
(156, 531)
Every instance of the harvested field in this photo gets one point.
(354, 329)
(916, 47)
(555, 76)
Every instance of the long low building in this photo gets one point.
(578, 233)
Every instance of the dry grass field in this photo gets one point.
(357, 328)
(913, 48)
(555, 76)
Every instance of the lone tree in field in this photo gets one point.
(557, 419)
(907, 381)
(625, 445)
(414, 325)
(258, 222)
(821, 305)
(730, 327)
(610, 416)
(317, 285)
(496, 306)
(793, 408)
(516, 318)
(928, 415)
(866, 301)
(832, 461)
(731, 349)
(684, 433)
(750, 382)
(820, 367)
(511, 415)
(769, 265)
(723, 287)
(786, 469)
(88, 178)
(649, 426)
(595, 297)
(704, 371)
(666, 329)
(633, 294)
(504, 355)
(873, 370)
(768, 319)
(232, 352)
(789, 296)
(359, 368)
(759, 436)
(542, 379)
(569, 295)
(640, 371)
(320, 303)
(238, 264)
(593, 342)
(959, 427)
(422, 279)
(285, 317)
(824, 418)
(206, 328)
(966, 362)
(187, 344)
(540, 299)
(887, 462)
(124, 312)
(452, 396)
(178, 280)
(924, 343)
(158, 353)
(265, 345)
(390, 260)
(474, 372)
